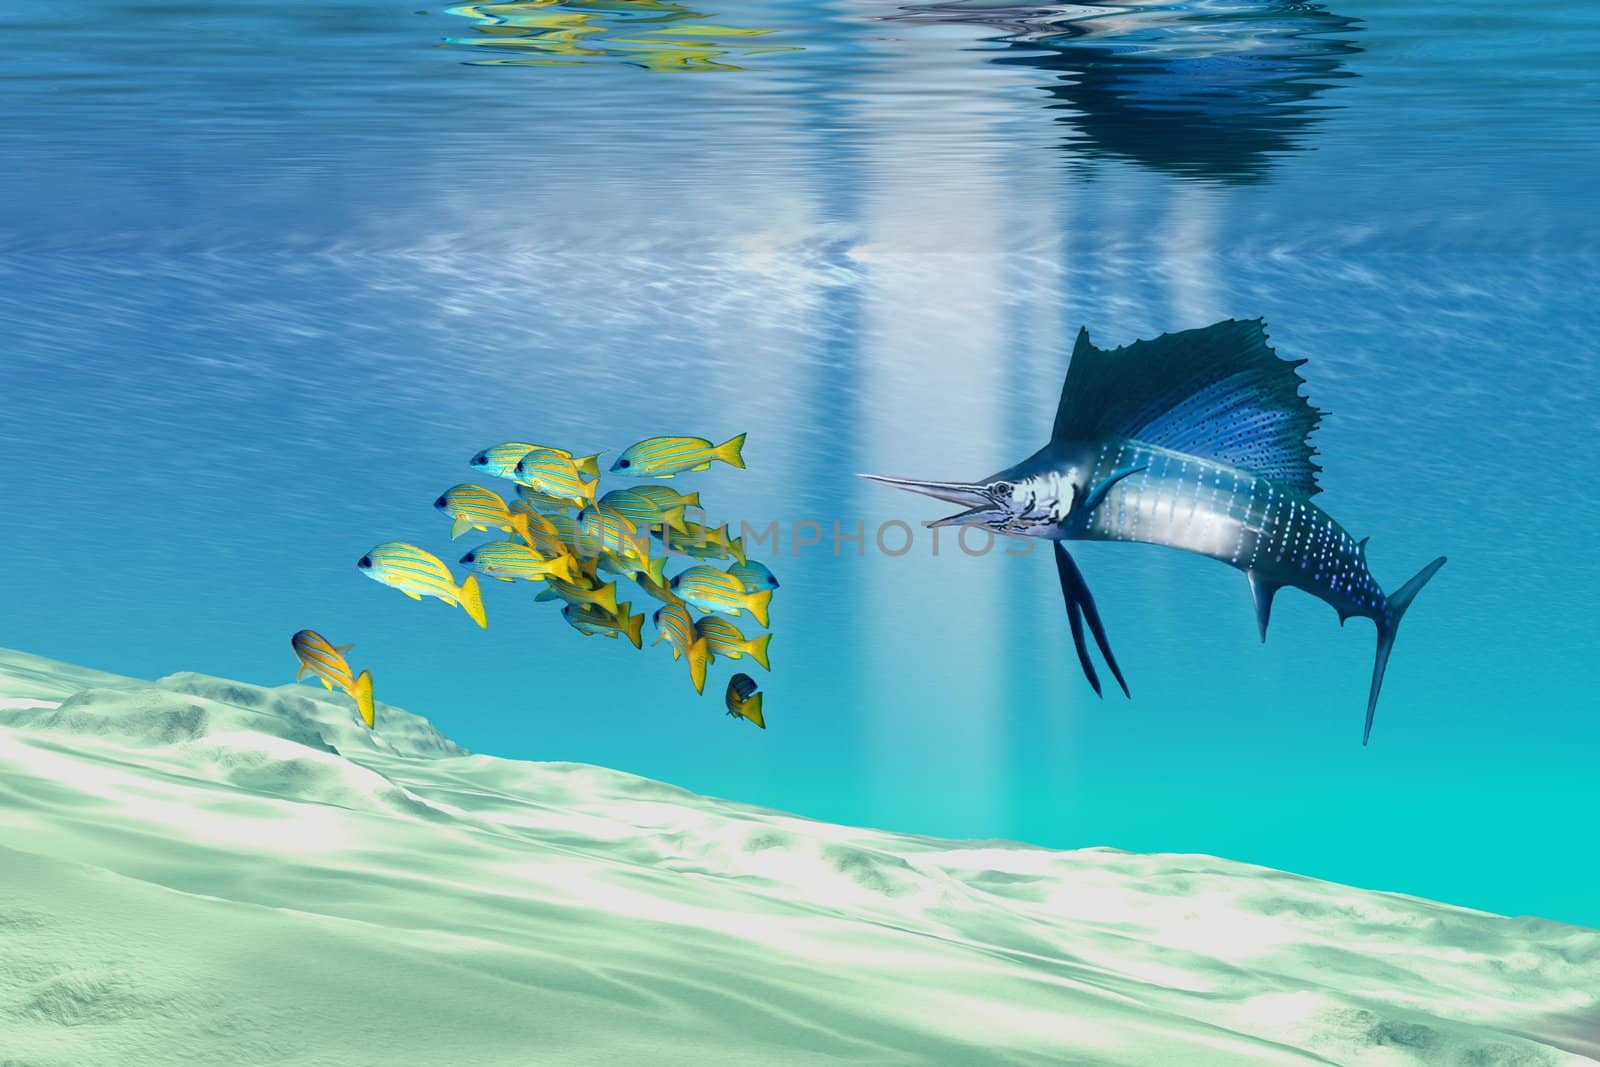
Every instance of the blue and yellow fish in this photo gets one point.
(539, 501)
(662, 457)
(665, 497)
(701, 542)
(584, 593)
(418, 573)
(319, 656)
(726, 640)
(743, 700)
(555, 476)
(589, 620)
(511, 560)
(643, 510)
(661, 591)
(720, 593)
(754, 575)
(619, 543)
(677, 629)
(500, 461)
(549, 535)
(475, 508)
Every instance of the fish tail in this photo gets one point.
(1394, 609)
(608, 598)
(633, 629)
(363, 697)
(691, 500)
(699, 653)
(731, 452)
(589, 465)
(563, 567)
(752, 711)
(519, 526)
(586, 490)
(657, 570)
(471, 601)
(758, 650)
(759, 603)
(672, 518)
(736, 546)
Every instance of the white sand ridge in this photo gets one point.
(201, 871)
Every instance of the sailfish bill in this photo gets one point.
(1200, 441)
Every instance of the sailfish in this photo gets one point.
(1197, 440)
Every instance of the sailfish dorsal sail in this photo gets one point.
(1219, 392)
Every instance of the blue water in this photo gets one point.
(271, 273)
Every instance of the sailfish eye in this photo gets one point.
(1001, 490)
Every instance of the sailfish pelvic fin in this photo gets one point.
(1262, 592)
(1080, 609)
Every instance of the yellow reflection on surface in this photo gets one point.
(653, 34)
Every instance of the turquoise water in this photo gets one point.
(272, 273)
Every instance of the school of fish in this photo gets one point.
(559, 530)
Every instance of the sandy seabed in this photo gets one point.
(200, 871)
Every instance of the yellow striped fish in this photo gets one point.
(417, 574)
(644, 512)
(620, 543)
(321, 658)
(539, 501)
(549, 535)
(665, 497)
(743, 700)
(720, 593)
(677, 629)
(754, 575)
(662, 457)
(583, 594)
(660, 590)
(725, 639)
(475, 508)
(700, 542)
(554, 476)
(510, 560)
(591, 620)
(500, 461)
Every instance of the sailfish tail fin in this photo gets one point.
(1394, 610)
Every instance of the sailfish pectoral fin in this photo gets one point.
(1098, 493)
(1080, 609)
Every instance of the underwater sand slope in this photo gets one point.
(200, 871)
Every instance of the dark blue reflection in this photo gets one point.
(1209, 89)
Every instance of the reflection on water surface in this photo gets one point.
(653, 34)
(1207, 89)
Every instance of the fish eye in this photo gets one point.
(1001, 489)
(365, 563)
(441, 502)
(481, 459)
(624, 463)
(469, 557)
